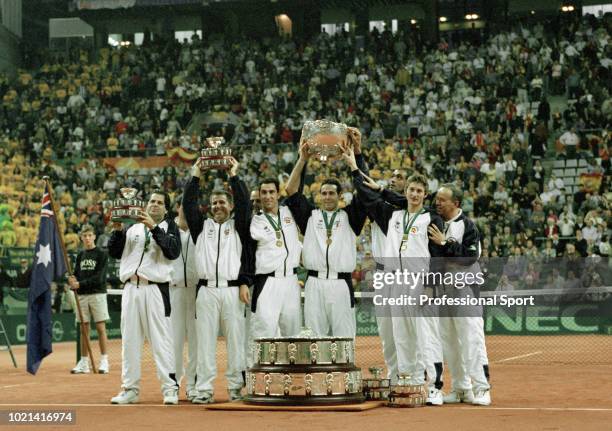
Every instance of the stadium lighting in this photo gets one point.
(471, 16)
(413, 21)
(533, 12)
(442, 19)
(567, 8)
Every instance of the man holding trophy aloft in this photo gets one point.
(223, 267)
(330, 234)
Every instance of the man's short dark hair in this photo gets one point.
(269, 180)
(419, 179)
(333, 182)
(456, 193)
(228, 195)
(167, 200)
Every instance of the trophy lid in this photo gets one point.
(128, 192)
(215, 141)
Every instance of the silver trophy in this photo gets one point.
(304, 370)
(128, 208)
(325, 139)
(404, 394)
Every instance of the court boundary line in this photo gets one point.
(527, 355)
(195, 406)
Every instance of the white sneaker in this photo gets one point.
(458, 396)
(82, 367)
(191, 394)
(171, 397)
(125, 397)
(234, 395)
(103, 368)
(482, 398)
(204, 398)
(435, 397)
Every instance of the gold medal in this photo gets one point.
(329, 241)
(279, 243)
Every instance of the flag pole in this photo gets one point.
(69, 268)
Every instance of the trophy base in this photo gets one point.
(128, 215)
(304, 400)
(220, 163)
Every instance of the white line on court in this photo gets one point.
(553, 409)
(518, 357)
(19, 384)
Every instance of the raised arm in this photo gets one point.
(243, 208)
(295, 179)
(300, 207)
(371, 200)
(191, 208)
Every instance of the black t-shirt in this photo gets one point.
(90, 271)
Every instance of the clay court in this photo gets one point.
(539, 383)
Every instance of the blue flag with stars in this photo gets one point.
(49, 264)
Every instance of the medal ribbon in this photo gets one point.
(407, 227)
(277, 227)
(329, 225)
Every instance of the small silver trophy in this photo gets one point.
(128, 208)
(214, 156)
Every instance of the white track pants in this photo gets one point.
(182, 318)
(465, 351)
(143, 315)
(327, 305)
(432, 352)
(278, 307)
(385, 332)
(219, 308)
(409, 344)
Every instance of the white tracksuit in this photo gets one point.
(327, 302)
(409, 330)
(182, 318)
(218, 252)
(278, 304)
(145, 308)
(463, 338)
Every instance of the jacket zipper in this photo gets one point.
(286, 248)
(217, 263)
(140, 263)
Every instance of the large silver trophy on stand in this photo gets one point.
(128, 208)
(325, 139)
(304, 370)
(214, 156)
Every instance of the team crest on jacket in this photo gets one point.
(287, 220)
(226, 231)
(414, 230)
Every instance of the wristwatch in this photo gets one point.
(443, 243)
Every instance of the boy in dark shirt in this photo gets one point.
(89, 280)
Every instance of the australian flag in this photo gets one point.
(49, 264)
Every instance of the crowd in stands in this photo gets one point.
(475, 114)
